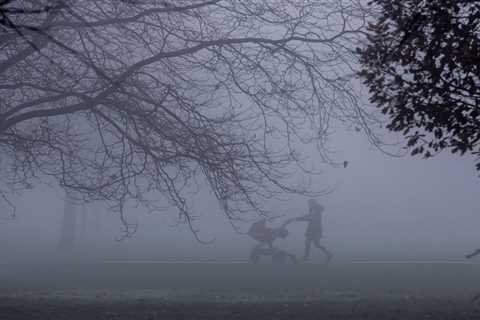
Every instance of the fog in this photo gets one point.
(379, 207)
(275, 135)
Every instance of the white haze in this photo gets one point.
(380, 207)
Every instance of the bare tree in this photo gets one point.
(144, 100)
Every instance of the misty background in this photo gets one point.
(379, 207)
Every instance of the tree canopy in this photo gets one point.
(421, 64)
(143, 100)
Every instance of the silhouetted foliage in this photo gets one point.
(146, 101)
(422, 66)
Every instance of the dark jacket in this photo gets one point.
(314, 227)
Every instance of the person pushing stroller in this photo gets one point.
(313, 233)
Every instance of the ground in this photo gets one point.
(150, 291)
(221, 305)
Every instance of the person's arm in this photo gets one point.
(287, 222)
(297, 219)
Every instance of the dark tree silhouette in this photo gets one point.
(142, 101)
(422, 66)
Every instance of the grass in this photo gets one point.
(118, 291)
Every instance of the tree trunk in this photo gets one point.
(83, 224)
(67, 236)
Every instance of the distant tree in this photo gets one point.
(144, 100)
(73, 229)
(422, 66)
(69, 224)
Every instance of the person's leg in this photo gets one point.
(324, 250)
(308, 245)
(473, 254)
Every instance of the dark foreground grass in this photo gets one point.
(151, 291)
(89, 305)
